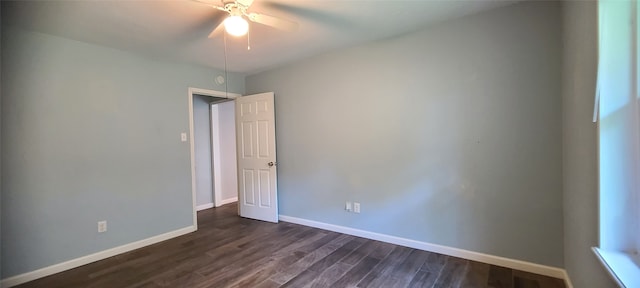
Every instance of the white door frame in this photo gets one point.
(215, 154)
(211, 93)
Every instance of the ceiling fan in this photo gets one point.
(236, 23)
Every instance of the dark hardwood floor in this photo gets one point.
(229, 251)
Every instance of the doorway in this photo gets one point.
(213, 148)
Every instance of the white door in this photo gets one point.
(256, 135)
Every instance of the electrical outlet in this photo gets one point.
(347, 206)
(183, 137)
(102, 226)
(356, 207)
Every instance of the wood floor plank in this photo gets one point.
(284, 275)
(453, 273)
(330, 236)
(267, 284)
(423, 279)
(230, 251)
(258, 277)
(253, 259)
(500, 277)
(329, 275)
(301, 279)
(401, 274)
(519, 282)
(382, 250)
(247, 250)
(412, 264)
(329, 264)
(477, 275)
(543, 281)
(184, 279)
(361, 252)
(149, 284)
(179, 264)
(396, 257)
(337, 255)
(435, 262)
(357, 272)
(257, 261)
(284, 258)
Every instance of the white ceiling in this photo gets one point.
(178, 30)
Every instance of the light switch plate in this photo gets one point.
(183, 137)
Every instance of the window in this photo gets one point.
(619, 140)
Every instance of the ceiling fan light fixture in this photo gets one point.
(236, 25)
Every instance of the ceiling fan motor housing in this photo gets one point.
(235, 8)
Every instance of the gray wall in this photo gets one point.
(0, 146)
(202, 149)
(450, 135)
(90, 134)
(580, 150)
(227, 119)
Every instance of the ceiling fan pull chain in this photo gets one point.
(226, 77)
(249, 38)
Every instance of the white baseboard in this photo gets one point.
(222, 202)
(227, 201)
(56, 268)
(204, 206)
(455, 252)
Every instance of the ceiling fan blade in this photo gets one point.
(211, 3)
(199, 28)
(315, 15)
(217, 30)
(245, 3)
(274, 22)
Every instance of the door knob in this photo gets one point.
(271, 164)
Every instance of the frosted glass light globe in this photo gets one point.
(236, 25)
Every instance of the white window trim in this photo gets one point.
(623, 267)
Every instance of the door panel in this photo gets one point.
(263, 138)
(247, 188)
(265, 197)
(255, 124)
